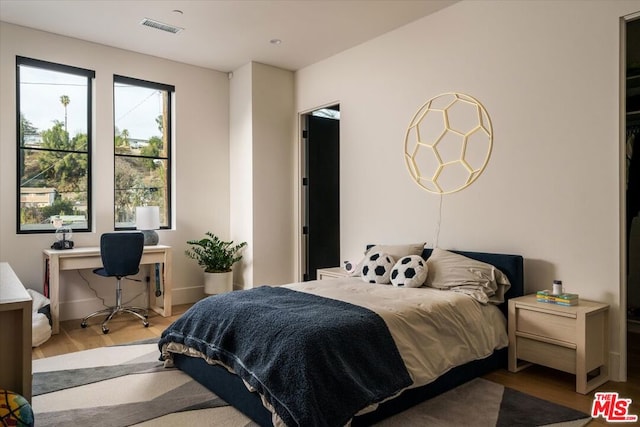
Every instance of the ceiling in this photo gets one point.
(223, 34)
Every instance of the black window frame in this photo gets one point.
(68, 69)
(170, 89)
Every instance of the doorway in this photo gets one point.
(632, 194)
(320, 190)
(633, 171)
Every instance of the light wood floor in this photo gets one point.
(539, 381)
(122, 329)
(559, 387)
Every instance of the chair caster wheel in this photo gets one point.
(105, 330)
(83, 325)
(146, 324)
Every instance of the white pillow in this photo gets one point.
(396, 251)
(451, 271)
(409, 272)
(41, 330)
(377, 268)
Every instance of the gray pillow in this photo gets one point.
(454, 272)
(396, 251)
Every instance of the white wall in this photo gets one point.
(548, 74)
(241, 166)
(262, 109)
(273, 111)
(201, 160)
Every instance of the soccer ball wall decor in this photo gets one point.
(448, 143)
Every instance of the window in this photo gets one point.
(54, 146)
(142, 149)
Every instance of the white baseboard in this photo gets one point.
(77, 309)
(188, 295)
(615, 374)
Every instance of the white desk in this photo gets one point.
(15, 333)
(89, 257)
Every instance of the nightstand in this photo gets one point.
(331, 273)
(571, 339)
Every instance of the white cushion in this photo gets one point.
(377, 268)
(410, 272)
(41, 330)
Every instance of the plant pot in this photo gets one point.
(218, 283)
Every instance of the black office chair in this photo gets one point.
(121, 254)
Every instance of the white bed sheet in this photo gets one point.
(434, 330)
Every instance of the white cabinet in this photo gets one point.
(15, 333)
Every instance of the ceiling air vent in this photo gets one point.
(160, 26)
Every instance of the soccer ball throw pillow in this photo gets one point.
(377, 268)
(409, 272)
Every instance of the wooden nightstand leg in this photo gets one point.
(513, 354)
(597, 347)
(581, 361)
(596, 382)
(514, 364)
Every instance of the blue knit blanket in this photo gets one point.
(317, 361)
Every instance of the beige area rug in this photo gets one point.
(127, 385)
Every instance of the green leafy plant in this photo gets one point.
(213, 254)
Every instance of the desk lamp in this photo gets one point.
(148, 221)
(63, 234)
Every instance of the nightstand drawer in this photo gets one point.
(547, 325)
(542, 353)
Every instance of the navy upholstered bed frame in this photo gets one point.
(231, 388)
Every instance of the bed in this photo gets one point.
(369, 364)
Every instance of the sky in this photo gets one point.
(40, 91)
(136, 109)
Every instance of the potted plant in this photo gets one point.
(216, 257)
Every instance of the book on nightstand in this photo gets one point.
(560, 299)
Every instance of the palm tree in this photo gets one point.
(64, 99)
